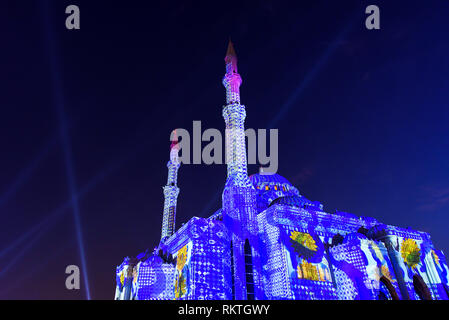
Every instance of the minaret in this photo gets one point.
(234, 114)
(239, 195)
(171, 191)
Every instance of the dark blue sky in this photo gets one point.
(363, 119)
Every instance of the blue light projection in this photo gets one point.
(26, 173)
(269, 242)
(59, 103)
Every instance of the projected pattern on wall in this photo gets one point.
(270, 242)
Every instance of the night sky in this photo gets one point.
(363, 119)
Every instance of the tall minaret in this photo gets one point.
(171, 191)
(234, 114)
(239, 195)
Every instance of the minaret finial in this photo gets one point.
(231, 51)
(232, 79)
(174, 140)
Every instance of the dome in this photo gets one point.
(270, 187)
(293, 201)
(273, 184)
(297, 201)
(258, 179)
(275, 189)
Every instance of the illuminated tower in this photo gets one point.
(171, 191)
(239, 195)
(234, 114)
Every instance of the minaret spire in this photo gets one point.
(232, 79)
(230, 48)
(231, 51)
(171, 190)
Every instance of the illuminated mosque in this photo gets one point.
(269, 242)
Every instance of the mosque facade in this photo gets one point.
(268, 241)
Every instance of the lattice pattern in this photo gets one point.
(155, 281)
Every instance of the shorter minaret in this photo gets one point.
(171, 191)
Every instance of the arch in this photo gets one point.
(232, 272)
(337, 239)
(390, 288)
(421, 288)
(249, 271)
(363, 230)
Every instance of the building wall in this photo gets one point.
(300, 260)
(203, 269)
(296, 261)
(123, 280)
(359, 264)
(416, 257)
(153, 280)
(305, 254)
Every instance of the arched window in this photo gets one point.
(386, 290)
(232, 272)
(421, 288)
(249, 271)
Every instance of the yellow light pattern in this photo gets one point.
(309, 271)
(410, 252)
(436, 258)
(180, 286)
(386, 273)
(182, 258)
(305, 239)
